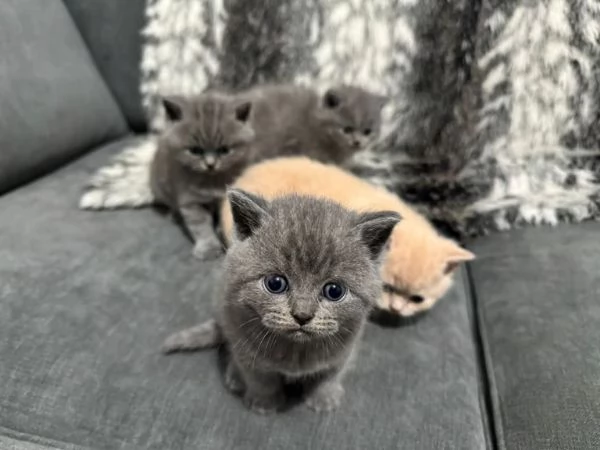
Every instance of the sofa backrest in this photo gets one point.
(54, 105)
(112, 31)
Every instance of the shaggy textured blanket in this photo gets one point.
(494, 119)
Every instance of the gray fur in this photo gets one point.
(191, 184)
(329, 127)
(214, 136)
(311, 242)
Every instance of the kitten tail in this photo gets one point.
(206, 335)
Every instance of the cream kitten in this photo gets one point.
(417, 270)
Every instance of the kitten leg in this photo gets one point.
(233, 379)
(264, 391)
(205, 335)
(199, 223)
(327, 395)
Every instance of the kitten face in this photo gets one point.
(209, 133)
(351, 116)
(305, 269)
(416, 275)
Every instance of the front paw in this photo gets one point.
(264, 404)
(233, 381)
(326, 398)
(207, 249)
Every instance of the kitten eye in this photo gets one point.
(223, 150)
(416, 299)
(196, 150)
(334, 292)
(367, 131)
(348, 130)
(275, 284)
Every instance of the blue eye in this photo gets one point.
(276, 284)
(348, 130)
(196, 150)
(223, 150)
(334, 292)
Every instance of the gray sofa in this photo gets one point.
(510, 359)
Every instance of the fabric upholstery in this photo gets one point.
(112, 31)
(87, 299)
(55, 105)
(537, 292)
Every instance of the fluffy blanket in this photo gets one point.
(494, 119)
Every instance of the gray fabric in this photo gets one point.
(87, 299)
(112, 31)
(537, 292)
(54, 103)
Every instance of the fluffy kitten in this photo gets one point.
(214, 136)
(300, 278)
(206, 146)
(332, 127)
(417, 270)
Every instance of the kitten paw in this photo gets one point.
(326, 399)
(264, 404)
(233, 382)
(207, 249)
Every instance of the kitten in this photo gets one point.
(214, 136)
(300, 278)
(332, 127)
(205, 147)
(418, 268)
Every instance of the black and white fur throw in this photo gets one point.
(494, 120)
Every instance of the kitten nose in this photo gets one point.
(210, 161)
(302, 318)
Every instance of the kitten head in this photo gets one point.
(351, 116)
(306, 268)
(418, 271)
(209, 133)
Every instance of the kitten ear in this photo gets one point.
(454, 256)
(331, 99)
(248, 211)
(375, 229)
(174, 106)
(242, 111)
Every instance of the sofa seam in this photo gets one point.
(489, 403)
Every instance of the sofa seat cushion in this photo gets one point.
(55, 104)
(538, 301)
(88, 297)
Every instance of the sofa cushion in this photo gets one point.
(54, 103)
(112, 31)
(88, 297)
(538, 296)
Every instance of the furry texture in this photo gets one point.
(294, 297)
(494, 114)
(213, 136)
(417, 269)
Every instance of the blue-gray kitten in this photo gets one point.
(300, 280)
(214, 136)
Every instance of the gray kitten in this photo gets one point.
(205, 148)
(294, 120)
(299, 282)
(213, 137)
